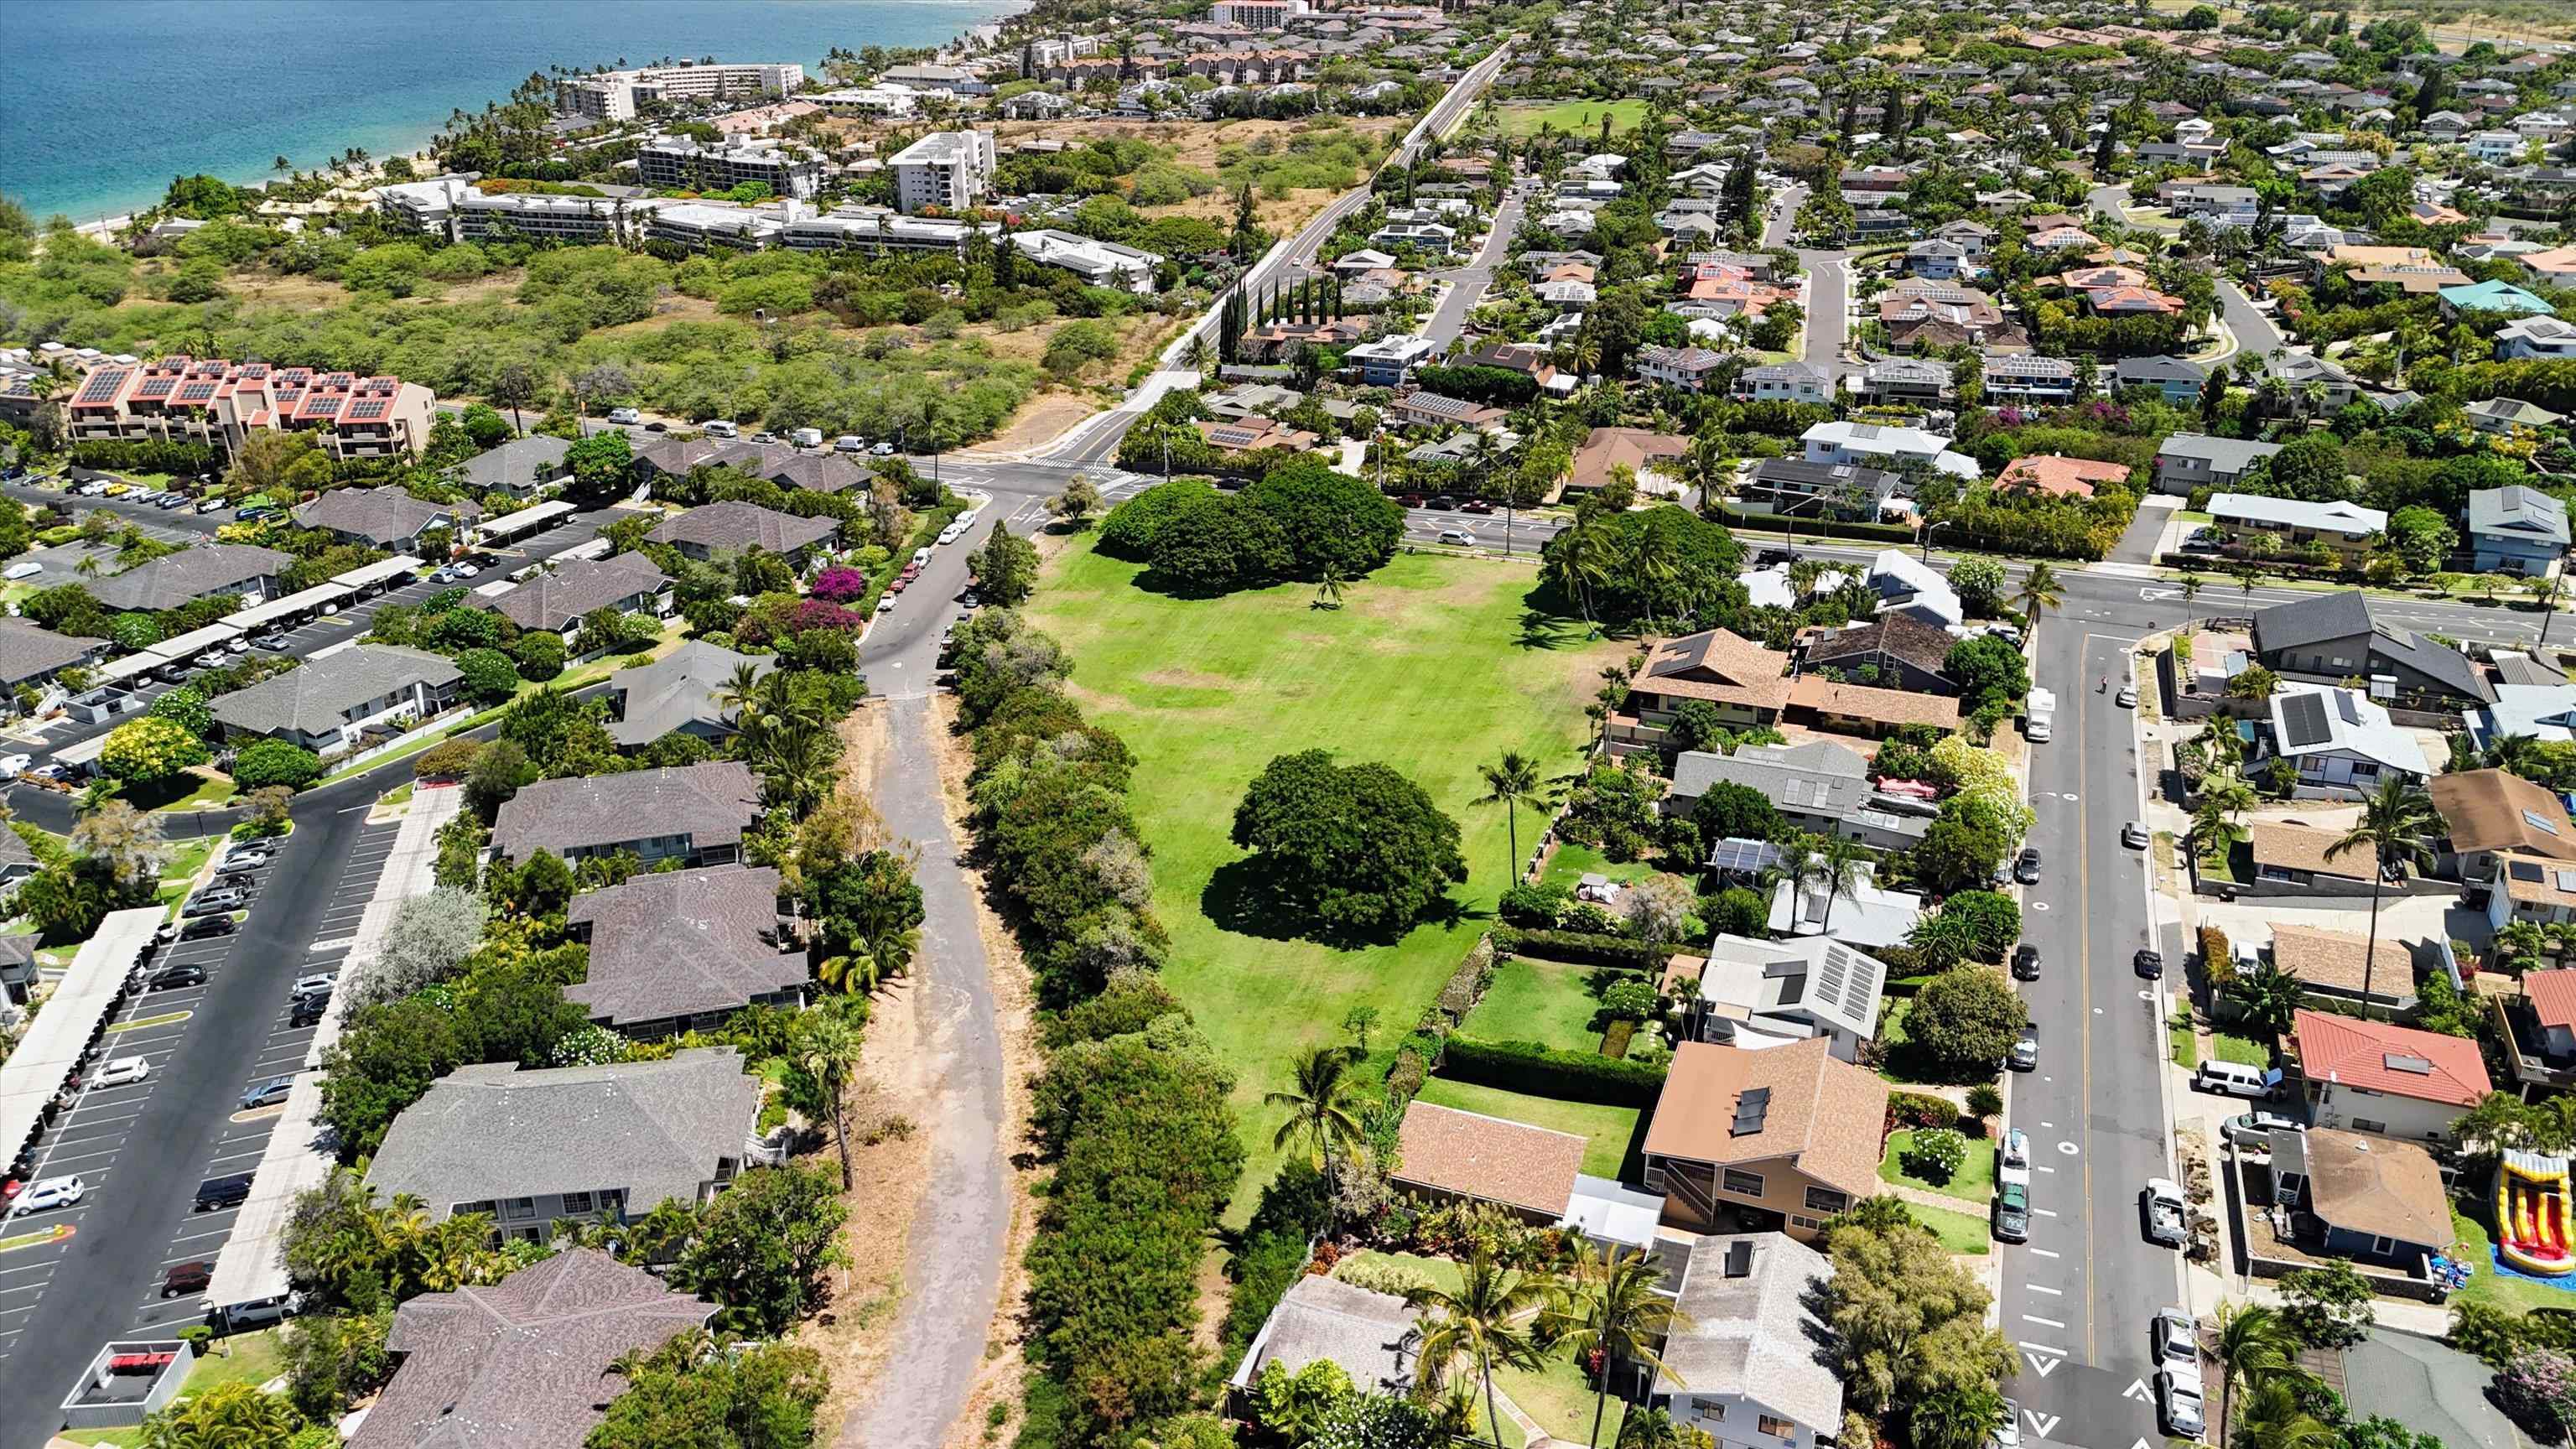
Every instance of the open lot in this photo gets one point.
(1577, 118)
(1608, 1130)
(1434, 666)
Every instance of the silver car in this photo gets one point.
(2178, 1403)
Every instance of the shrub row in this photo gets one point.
(1584, 948)
(1921, 1109)
(1467, 984)
(1817, 528)
(1542, 1071)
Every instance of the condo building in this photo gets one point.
(221, 403)
(950, 170)
(681, 162)
(614, 95)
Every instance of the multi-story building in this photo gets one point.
(875, 229)
(699, 228)
(1256, 14)
(672, 162)
(950, 170)
(220, 403)
(889, 101)
(571, 220)
(614, 95)
(1102, 264)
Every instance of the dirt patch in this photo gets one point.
(1188, 679)
(998, 1386)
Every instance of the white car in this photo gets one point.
(886, 605)
(951, 534)
(1458, 536)
(466, 571)
(2128, 696)
(2177, 1341)
(51, 1192)
(2007, 1434)
(12, 766)
(122, 1071)
(2016, 1148)
(624, 415)
(2134, 835)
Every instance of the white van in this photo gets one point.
(921, 558)
(806, 437)
(720, 428)
(2235, 1079)
(849, 443)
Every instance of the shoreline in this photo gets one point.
(106, 228)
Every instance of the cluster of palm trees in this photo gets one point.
(787, 738)
(2258, 1353)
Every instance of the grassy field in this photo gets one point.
(1973, 1182)
(1551, 1002)
(1579, 118)
(1958, 1232)
(1607, 1129)
(250, 1358)
(1434, 666)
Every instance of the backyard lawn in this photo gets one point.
(1973, 1182)
(2242, 1050)
(1549, 1002)
(1557, 1395)
(1608, 1129)
(1207, 691)
(1575, 118)
(2494, 1289)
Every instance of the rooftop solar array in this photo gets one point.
(102, 385)
(366, 409)
(1740, 854)
(2303, 718)
(1751, 1109)
(198, 392)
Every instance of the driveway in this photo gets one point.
(1468, 283)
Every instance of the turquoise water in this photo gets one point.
(106, 100)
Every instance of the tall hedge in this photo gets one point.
(1543, 1071)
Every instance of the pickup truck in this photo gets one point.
(2167, 1212)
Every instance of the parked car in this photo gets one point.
(2178, 1403)
(199, 928)
(886, 603)
(2128, 696)
(50, 1192)
(2025, 962)
(171, 500)
(2025, 1051)
(230, 1190)
(249, 857)
(2016, 1148)
(2134, 835)
(1476, 505)
(2150, 963)
(882, 450)
(124, 1071)
(274, 643)
(211, 902)
(2007, 1434)
(2255, 1129)
(1458, 537)
(1444, 503)
(268, 1093)
(2012, 1213)
(2177, 1340)
(12, 766)
(210, 505)
(624, 416)
(318, 984)
(171, 978)
(1411, 500)
(2167, 1212)
(971, 602)
(2026, 865)
(187, 1278)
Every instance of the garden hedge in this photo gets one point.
(1817, 528)
(1581, 947)
(1541, 1071)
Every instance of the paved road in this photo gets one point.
(1468, 283)
(1784, 214)
(2109, 202)
(2255, 334)
(1828, 309)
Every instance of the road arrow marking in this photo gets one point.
(2041, 1361)
(2137, 1390)
(2152, 594)
(2042, 1424)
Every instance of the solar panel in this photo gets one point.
(2303, 719)
(198, 391)
(2567, 880)
(1834, 974)
(2411, 1065)
(366, 409)
(2540, 822)
(156, 387)
(1750, 1110)
(2524, 870)
(1738, 853)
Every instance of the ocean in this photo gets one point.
(107, 100)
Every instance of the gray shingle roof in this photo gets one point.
(2227, 455)
(2302, 622)
(315, 696)
(566, 591)
(682, 942)
(2521, 512)
(514, 464)
(726, 527)
(174, 579)
(1370, 1334)
(1753, 1335)
(1818, 778)
(380, 515)
(713, 802)
(28, 652)
(652, 1130)
(522, 1363)
(677, 690)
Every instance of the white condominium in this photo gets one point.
(1256, 14)
(1100, 263)
(682, 162)
(614, 95)
(950, 170)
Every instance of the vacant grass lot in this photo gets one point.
(1608, 1129)
(1434, 665)
(1576, 118)
(1549, 1002)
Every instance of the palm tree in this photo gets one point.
(827, 1047)
(740, 694)
(1323, 1108)
(2275, 1419)
(1610, 1310)
(2040, 592)
(1328, 586)
(2394, 823)
(1835, 864)
(890, 949)
(2254, 1345)
(1581, 562)
(1479, 1321)
(1509, 781)
(2190, 590)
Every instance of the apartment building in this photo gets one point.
(683, 162)
(875, 229)
(1102, 264)
(220, 403)
(891, 102)
(1256, 14)
(615, 95)
(698, 228)
(570, 220)
(950, 170)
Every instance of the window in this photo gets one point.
(2364, 1124)
(1827, 1200)
(1713, 1413)
(576, 1202)
(1748, 1184)
(460, 1209)
(2383, 1247)
(1780, 1427)
(519, 1207)
(1796, 1221)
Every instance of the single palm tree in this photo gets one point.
(2040, 592)
(1323, 1108)
(890, 950)
(1835, 863)
(1480, 1322)
(1328, 587)
(2394, 824)
(2254, 1344)
(739, 696)
(1610, 1310)
(2191, 585)
(2275, 1419)
(1509, 781)
(827, 1047)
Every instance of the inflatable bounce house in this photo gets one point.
(2531, 1214)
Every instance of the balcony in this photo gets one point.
(2519, 1032)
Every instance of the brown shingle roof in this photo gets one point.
(2334, 959)
(2372, 1185)
(713, 802)
(1824, 1115)
(730, 525)
(2296, 845)
(2487, 810)
(1489, 1158)
(1639, 448)
(678, 943)
(1878, 706)
(1900, 636)
(1720, 666)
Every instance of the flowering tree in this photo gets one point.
(150, 749)
(823, 614)
(837, 585)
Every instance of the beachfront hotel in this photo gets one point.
(614, 95)
(220, 404)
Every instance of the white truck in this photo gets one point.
(2039, 715)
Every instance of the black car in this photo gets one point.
(2151, 964)
(200, 927)
(2026, 867)
(2025, 965)
(231, 1190)
(170, 978)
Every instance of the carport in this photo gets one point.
(367, 576)
(275, 611)
(71, 1017)
(527, 520)
(193, 643)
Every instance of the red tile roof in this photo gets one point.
(2360, 1054)
(2552, 995)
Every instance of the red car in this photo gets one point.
(900, 584)
(1411, 500)
(1475, 505)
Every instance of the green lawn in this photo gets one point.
(2183, 1041)
(1608, 1129)
(187, 858)
(1579, 118)
(2242, 1050)
(2486, 1285)
(250, 1358)
(1557, 1395)
(1434, 666)
(1571, 863)
(122, 1438)
(191, 790)
(1958, 1232)
(1551, 1002)
(1974, 1181)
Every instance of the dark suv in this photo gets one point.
(2025, 965)
(171, 977)
(231, 1190)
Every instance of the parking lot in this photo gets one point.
(138, 1148)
